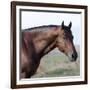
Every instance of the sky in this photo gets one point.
(34, 19)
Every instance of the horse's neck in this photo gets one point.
(49, 48)
(45, 42)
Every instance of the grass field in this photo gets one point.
(56, 64)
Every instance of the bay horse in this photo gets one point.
(38, 41)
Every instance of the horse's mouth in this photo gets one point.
(72, 58)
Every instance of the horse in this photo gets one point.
(38, 41)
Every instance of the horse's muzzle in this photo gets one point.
(74, 56)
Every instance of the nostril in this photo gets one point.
(74, 55)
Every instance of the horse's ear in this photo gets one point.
(62, 25)
(70, 25)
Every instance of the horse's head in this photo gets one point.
(65, 43)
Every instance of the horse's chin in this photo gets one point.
(70, 58)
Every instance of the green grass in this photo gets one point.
(56, 64)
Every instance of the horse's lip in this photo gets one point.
(73, 60)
